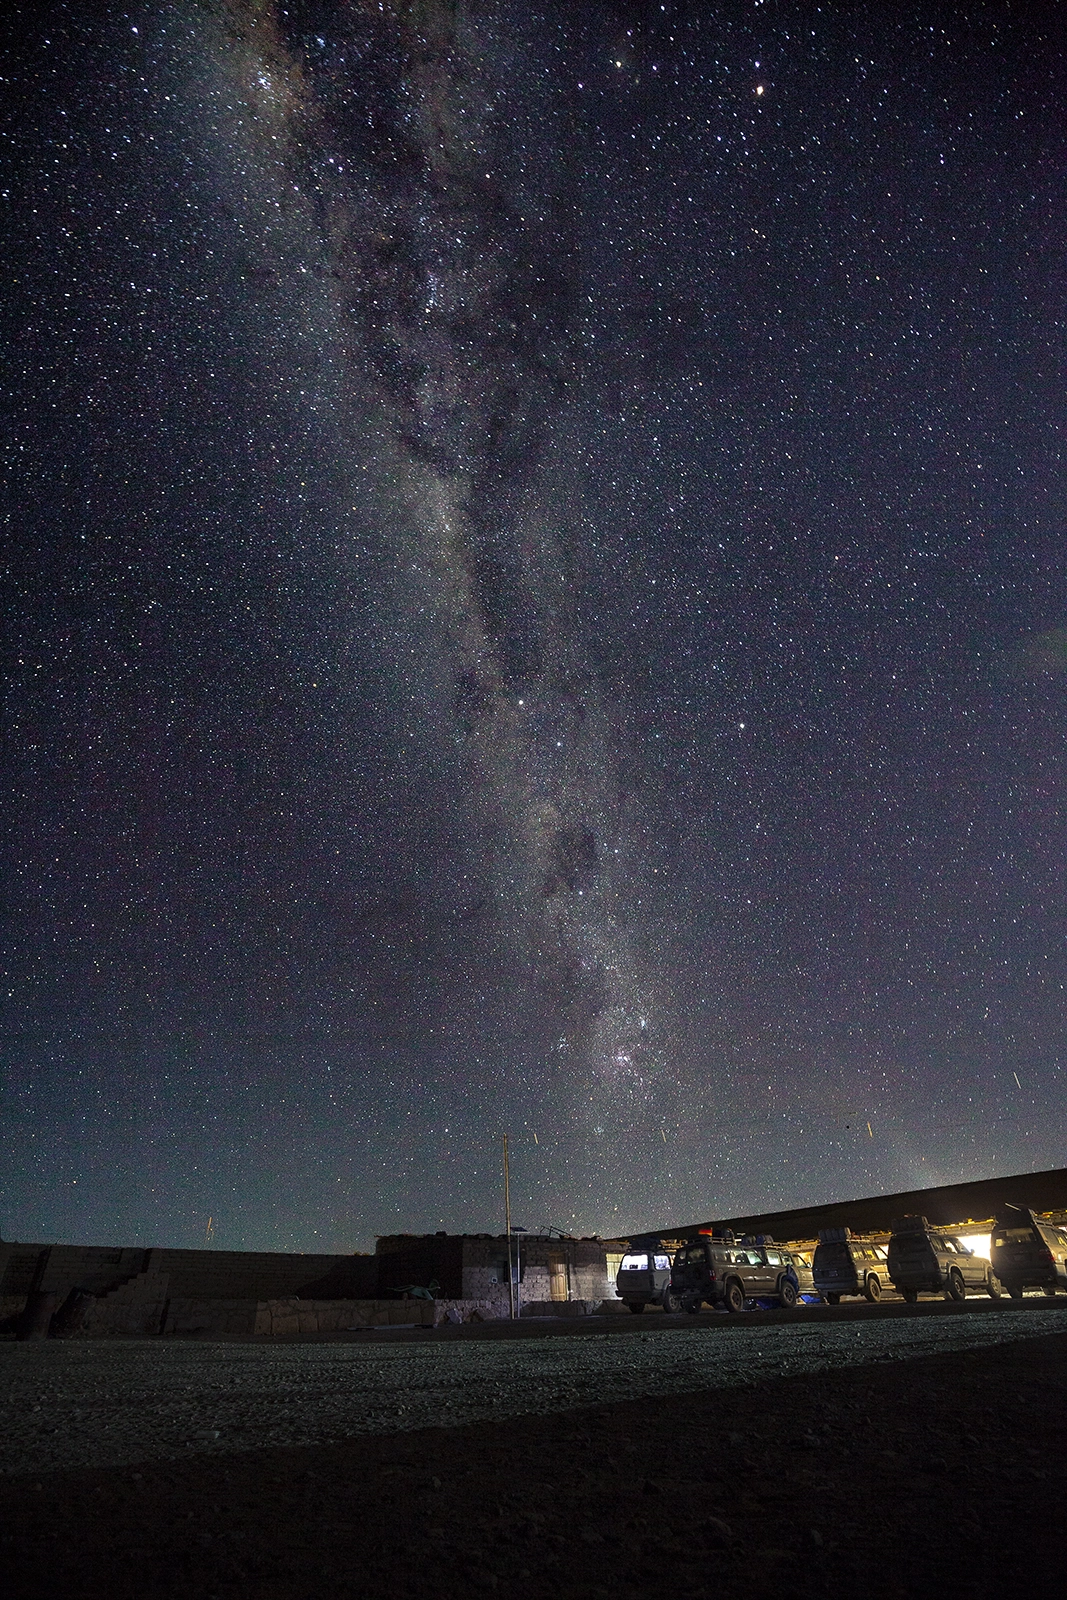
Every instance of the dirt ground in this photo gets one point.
(939, 1475)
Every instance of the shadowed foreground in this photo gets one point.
(927, 1476)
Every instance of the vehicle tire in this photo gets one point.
(994, 1287)
(636, 1306)
(691, 1303)
(872, 1288)
(671, 1302)
(832, 1299)
(1015, 1290)
(957, 1289)
(910, 1295)
(1049, 1292)
(787, 1294)
(734, 1296)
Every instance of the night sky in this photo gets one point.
(534, 597)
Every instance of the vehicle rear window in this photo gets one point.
(832, 1255)
(634, 1264)
(1013, 1236)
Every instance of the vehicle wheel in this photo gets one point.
(691, 1303)
(1015, 1290)
(957, 1289)
(734, 1297)
(872, 1289)
(787, 1294)
(671, 1302)
(994, 1288)
(1049, 1292)
(832, 1299)
(910, 1295)
(636, 1306)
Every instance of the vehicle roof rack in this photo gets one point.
(1002, 1221)
(834, 1235)
(911, 1225)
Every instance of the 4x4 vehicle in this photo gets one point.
(924, 1258)
(847, 1264)
(644, 1278)
(1028, 1252)
(724, 1271)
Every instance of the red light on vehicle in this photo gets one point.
(707, 1232)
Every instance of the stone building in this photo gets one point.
(252, 1294)
(551, 1271)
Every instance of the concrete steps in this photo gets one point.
(135, 1307)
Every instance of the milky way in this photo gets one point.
(454, 296)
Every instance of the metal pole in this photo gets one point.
(507, 1224)
(518, 1273)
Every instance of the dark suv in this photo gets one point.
(1028, 1252)
(923, 1258)
(725, 1271)
(847, 1264)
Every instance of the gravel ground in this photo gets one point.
(117, 1404)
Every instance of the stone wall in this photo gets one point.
(569, 1308)
(291, 1318)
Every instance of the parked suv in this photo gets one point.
(726, 1272)
(924, 1258)
(1028, 1252)
(644, 1278)
(846, 1264)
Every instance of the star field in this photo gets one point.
(535, 596)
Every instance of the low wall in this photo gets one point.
(143, 1309)
(313, 1319)
(566, 1308)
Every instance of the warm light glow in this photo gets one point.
(978, 1242)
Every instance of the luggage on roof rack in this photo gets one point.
(834, 1235)
(911, 1225)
